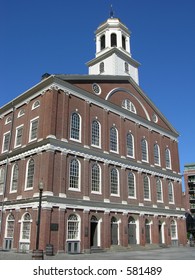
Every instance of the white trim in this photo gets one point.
(16, 134)
(30, 130)
(3, 143)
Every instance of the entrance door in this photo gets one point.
(160, 232)
(147, 231)
(131, 231)
(94, 232)
(114, 231)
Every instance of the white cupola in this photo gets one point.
(113, 51)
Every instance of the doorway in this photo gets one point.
(94, 232)
(114, 231)
(131, 231)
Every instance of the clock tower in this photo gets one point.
(113, 51)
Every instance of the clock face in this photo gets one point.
(96, 88)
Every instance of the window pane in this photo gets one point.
(34, 130)
(95, 133)
(114, 181)
(131, 185)
(19, 136)
(6, 142)
(95, 178)
(75, 126)
(15, 178)
(113, 139)
(144, 150)
(130, 145)
(146, 188)
(30, 174)
(74, 174)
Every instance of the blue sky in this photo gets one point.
(38, 36)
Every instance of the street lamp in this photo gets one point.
(38, 254)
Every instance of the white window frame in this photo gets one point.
(99, 136)
(169, 155)
(30, 131)
(78, 221)
(133, 145)
(100, 179)
(80, 126)
(26, 177)
(117, 143)
(79, 176)
(134, 178)
(22, 221)
(118, 183)
(161, 190)
(158, 151)
(13, 167)
(16, 136)
(146, 142)
(4, 135)
(172, 190)
(36, 104)
(149, 189)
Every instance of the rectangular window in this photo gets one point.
(6, 140)
(18, 139)
(33, 129)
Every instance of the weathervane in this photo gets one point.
(111, 12)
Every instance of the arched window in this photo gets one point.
(170, 193)
(101, 67)
(173, 229)
(95, 178)
(146, 188)
(9, 233)
(131, 185)
(21, 113)
(159, 190)
(114, 181)
(168, 158)
(2, 179)
(123, 42)
(113, 139)
(30, 174)
(35, 104)
(25, 227)
(73, 227)
(74, 174)
(144, 149)
(75, 126)
(102, 42)
(113, 40)
(128, 105)
(14, 179)
(156, 154)
(95, 134)
(130, 145)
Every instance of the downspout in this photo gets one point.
(6, 168)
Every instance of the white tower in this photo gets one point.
(113, 51)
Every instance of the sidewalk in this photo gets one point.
(172, 253)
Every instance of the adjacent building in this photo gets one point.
(106, 156)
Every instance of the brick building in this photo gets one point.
(107, 157)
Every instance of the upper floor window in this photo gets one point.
(95, 178)
(113, 40)
(74, 175)
(101, 67)
(131, 185)
(21, 113)
(144, 149)
(130, 145)
(123, 42)
(114, 181)
(33, 129)
(156, 154)
(18, 139)
(8, 120)
(75, 132)
(168, 158)
(95, 134)
(35, 104)
(30, 174)
(147, 194)
(102, 42)
(128, 105)
(14, 179)
(2, 179)
(113, 139)
(159, 190)
(6, 141)
(170, 193)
